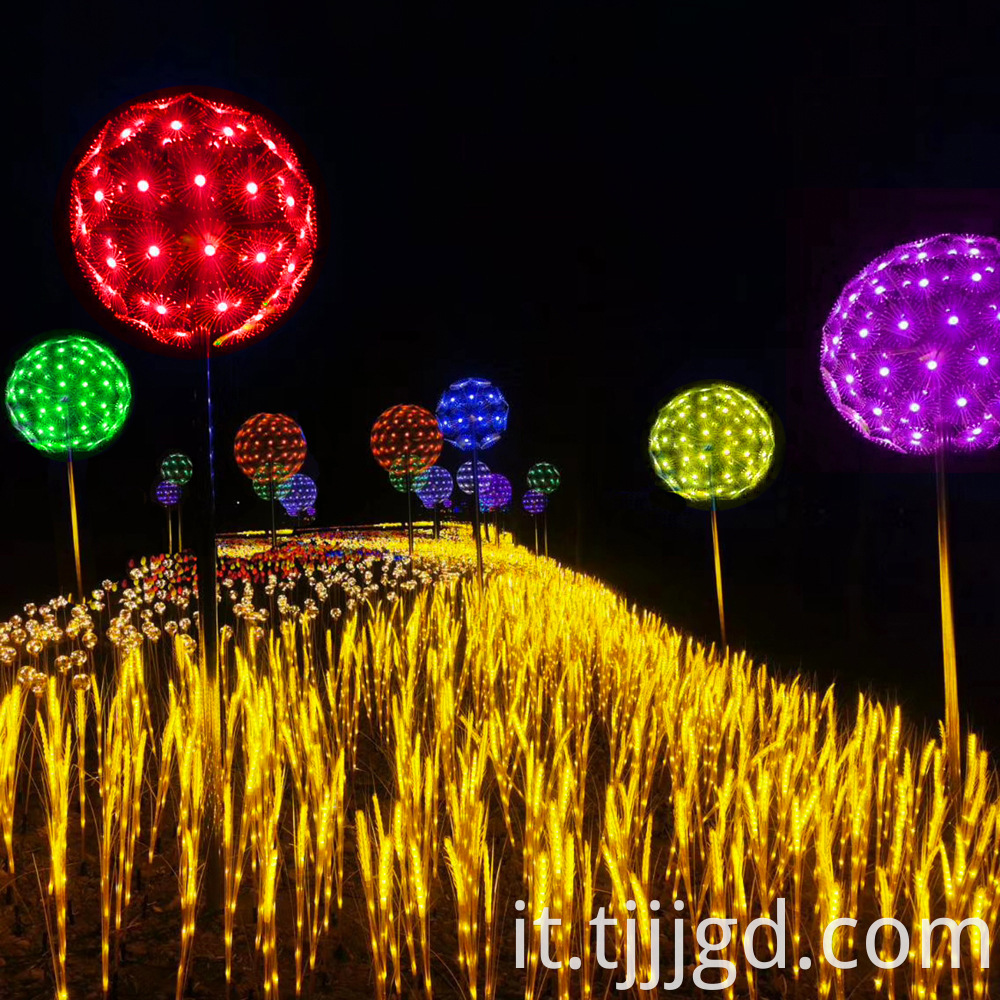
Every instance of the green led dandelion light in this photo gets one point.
(68, 394)
(712, 443)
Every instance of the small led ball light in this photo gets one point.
(269, 486)
(534, 502)
(189, 221)
(464, 478)
(70, 393)
(496, 492)
(177, 468)
(910, 353)
(712, 442)
(301, 494)
(270, 446)
(399, 480)
(437, 487)
(472, 414)
(543, 476)
(168, 494)
(406, 440)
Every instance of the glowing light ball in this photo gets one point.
(268, 488)
(168, 494)
(68, 392)
(911, 350)
(495, 492)
(270, 445)
(399, 479)
(177, 468)
(464, 476)
(534, 502)
(436, 488)
(406, 439)
(472, 414)
(543, 476)
(189, 221)
(713, 441)
(301, 494)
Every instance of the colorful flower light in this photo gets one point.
(177, 468)
(269, 487)
(534, 502)
(69, 393)
(496, 492)
(301, 494)
(711, 442)
(270, 446)
(167, 493)
(436, 488)
(543, 476)
(911, 350)
(472, 414)
(406, 440)
(188, 220)
(465, 479)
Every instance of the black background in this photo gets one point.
(591, 205)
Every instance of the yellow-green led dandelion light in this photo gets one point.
(713, 443)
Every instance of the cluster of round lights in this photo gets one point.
(301, 495)
(712, 442)
(69, 393)
(168, 493)
(496, 492)
(191, 221)
(472, 414)
(406, 439)
(534, 502)
(465, 477)
(911, 350)
(544, 477)
(436, 487)
(270, 447)
(177, 468)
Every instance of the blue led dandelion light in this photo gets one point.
(472, 414)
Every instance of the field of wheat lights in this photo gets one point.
(394, 774)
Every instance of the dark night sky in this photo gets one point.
(592, 205)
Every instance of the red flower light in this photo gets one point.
(218, 187)
(406, 439)
(270, 447)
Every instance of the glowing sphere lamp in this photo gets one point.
(177, 468)
(270, 446)
(713, 442)
(437, 486)
(403, 482)
(190, 222)
(543, 476)
(472, 414)
(910, 358)
(301, 494)
(534, 503)
(465, 478)
(406, 440)
(168, 495)
(272, 489)
(69, 393)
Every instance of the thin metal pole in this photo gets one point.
(206, 551)
(718, 575)
(545, 529)
(409, 505)
(534, 518)
(180, 529)
(496, 524)
(952, 719)
(170, 531)
(76, 526)
(437, 521)
(272, 489)
(475, 514)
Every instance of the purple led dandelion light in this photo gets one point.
(911, 350)
(534, 502)
(911, 359)
(168, 494)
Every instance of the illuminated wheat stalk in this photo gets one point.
(190, 772)
(11, 717)
(81, 685)
(109, 750)
(56, 757)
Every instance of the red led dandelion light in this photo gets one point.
(189, 221)
(270, 447)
